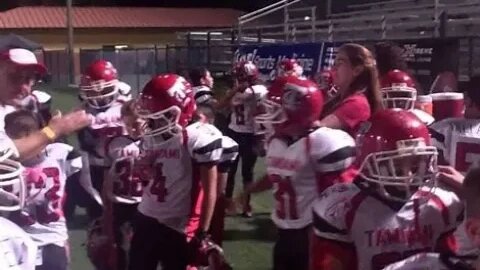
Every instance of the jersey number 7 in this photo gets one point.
(466, 151)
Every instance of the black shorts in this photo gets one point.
(123, 216)
(291, 249)
(53, 258)
(155, 243)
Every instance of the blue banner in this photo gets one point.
(426, 58)
(268, 57)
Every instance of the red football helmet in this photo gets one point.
(245, 71)
(99, 84)
(211, 255)
(291, 103)
(325, 82)
(289, 67)
(395, 153)
(99, 247)
(167, 104)
(398, 90)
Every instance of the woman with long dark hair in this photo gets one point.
(356, 79)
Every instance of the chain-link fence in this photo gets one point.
(136, 66)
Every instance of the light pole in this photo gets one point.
(71, 59)
(329, 8)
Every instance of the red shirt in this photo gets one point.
(352, 111)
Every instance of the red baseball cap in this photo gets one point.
(23, 58)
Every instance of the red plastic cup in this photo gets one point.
(424, 103)
(447, 105)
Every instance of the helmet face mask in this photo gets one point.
(399, 96)
(99, 95)
(13, 191)
(398, 90)
(400, 173)
(162, 126)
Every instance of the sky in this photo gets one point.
(246, 5)
(241, 4)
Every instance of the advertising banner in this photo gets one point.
(267, 57)
(431, 61)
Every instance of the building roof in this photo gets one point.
(118, 17)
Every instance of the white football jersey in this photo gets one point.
(44, 204)
(105, 125)
(425, 117)
(433, 261)
(296, 170)
(459, 141)
(382, 231)
(17, 250)
(244, 105)
(167, 197)
(229, 149)
(127, 171)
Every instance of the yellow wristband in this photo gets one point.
(48, 131)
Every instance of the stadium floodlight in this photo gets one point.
(71, 59)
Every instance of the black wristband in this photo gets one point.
(200, 234)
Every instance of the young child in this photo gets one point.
(123, 187)
(42, 217)
(206, 114)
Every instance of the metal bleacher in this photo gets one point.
(394, 19)
(297, 21)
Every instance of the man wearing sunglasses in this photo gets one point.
(19, 70)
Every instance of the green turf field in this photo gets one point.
(248, 242)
